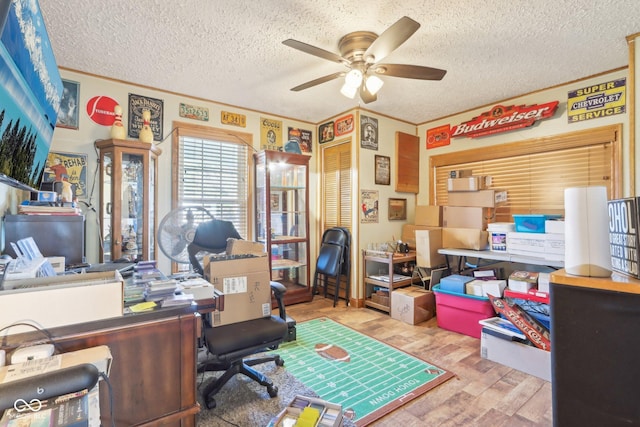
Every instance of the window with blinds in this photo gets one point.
(535, 173)
(212, 172)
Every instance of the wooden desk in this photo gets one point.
(153, 373)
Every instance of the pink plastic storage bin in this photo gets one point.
(461, 312)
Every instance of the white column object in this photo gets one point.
(587, 251)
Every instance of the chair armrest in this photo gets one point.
(279, 290)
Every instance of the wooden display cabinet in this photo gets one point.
(128, 199)
(282, 219)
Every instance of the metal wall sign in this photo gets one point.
(596, 101)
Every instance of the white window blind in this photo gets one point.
(214, 174)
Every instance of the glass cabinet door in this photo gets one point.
(128, 199)
(106, 207)
(132, 220)
(282, 219)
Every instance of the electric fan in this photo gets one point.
(177, 229)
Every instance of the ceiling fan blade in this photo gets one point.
(365, 95)
(316, 51)
(409, 71)
(392, 38)
(318, 81)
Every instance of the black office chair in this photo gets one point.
(228, 345)
(334, 261)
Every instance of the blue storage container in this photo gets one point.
(532, 223)
(454, 283)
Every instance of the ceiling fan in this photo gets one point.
(361, 52)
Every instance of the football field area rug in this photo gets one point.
(367, 377)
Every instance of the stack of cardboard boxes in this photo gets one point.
(470, 208)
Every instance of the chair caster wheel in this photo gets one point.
(210, 402)
(279, 362)
(272, 390)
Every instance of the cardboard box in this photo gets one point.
(62, 300)
(245, 283)
(493, 287)
(471, 183)
(429, 215)
(244, 247)
(427, 244)
(474, 287)
(465, 238)
(465, 217)
(99, 356)
(461, 173)
(555, 226)
(522, 281)
(412, 305)
(482, 198)
(409, 234)
(533, 243)
(502, 349)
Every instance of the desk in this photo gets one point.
(496, 256)
(153, 373)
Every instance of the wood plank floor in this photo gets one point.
(483, 393)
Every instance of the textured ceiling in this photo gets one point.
(232, 52)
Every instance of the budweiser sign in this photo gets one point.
(503, 119)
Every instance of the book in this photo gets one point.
(177, 300)
(503, 326)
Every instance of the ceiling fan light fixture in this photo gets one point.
(353, 78)
(374, 84)
(349, 91)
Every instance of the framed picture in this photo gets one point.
(369, 204)
(325, 133)
(368, 133)
(383, 170)
(68, 112)
(397, 209)
(139, 103)
(344, 125)
(66, 168)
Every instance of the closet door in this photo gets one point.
(337, 186)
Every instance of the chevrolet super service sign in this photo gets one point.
(592, 102)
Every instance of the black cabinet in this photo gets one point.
(594, 350)
(55, 235)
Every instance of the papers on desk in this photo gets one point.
(385, 277)
(177, 300)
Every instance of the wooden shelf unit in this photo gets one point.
(389, 260)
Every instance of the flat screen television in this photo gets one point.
(30, 92)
